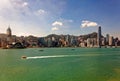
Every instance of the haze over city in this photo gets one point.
(43, 17)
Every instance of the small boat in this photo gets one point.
(41, 50)
(72, 49)
(23, 57)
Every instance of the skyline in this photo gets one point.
(60, 17)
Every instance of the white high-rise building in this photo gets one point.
(111, 40)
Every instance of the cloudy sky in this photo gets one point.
(75, 17)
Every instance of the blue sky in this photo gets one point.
(75, 17)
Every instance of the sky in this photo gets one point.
(74, 17)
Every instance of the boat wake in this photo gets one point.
(58, 56)
(54, 56)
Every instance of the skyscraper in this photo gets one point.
(67, 39)
(111, 41)
(107, 39)
(88, 42)
(99, 37)
(9, 32)
(10, 39)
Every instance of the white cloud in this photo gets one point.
(86, 23)
(20, 7)
(62, 25)
(57, 23)
(54, 7)
(40, 12)
(19, 4)
(24, 4)
(13, 8)
(55, 28)
(66, 20)
(20, 14)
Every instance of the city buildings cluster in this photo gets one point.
(12, 41)
(91, 40)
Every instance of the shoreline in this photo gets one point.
(64, 47)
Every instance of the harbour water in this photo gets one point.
(60, 64)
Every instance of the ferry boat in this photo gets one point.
(23, 57)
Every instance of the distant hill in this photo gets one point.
(91, 35)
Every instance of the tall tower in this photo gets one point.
(9, 32)
(111, 41)
(107, 39)
(99, 37)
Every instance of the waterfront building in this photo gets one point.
(3, 43)
(88, 42)
(53, 38)
(67, 39)
(111, 41)
(32, 41)
(72, 41)
(9, 32)
(91, 42)
(116, 40)
(107, 39)
(83, 44)
(99, 36)
(10, 39)
(49, 42)
(61, 42)
(103, 41)
(0, 42)
(116, 44)
(95, 42)
(54, 42)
